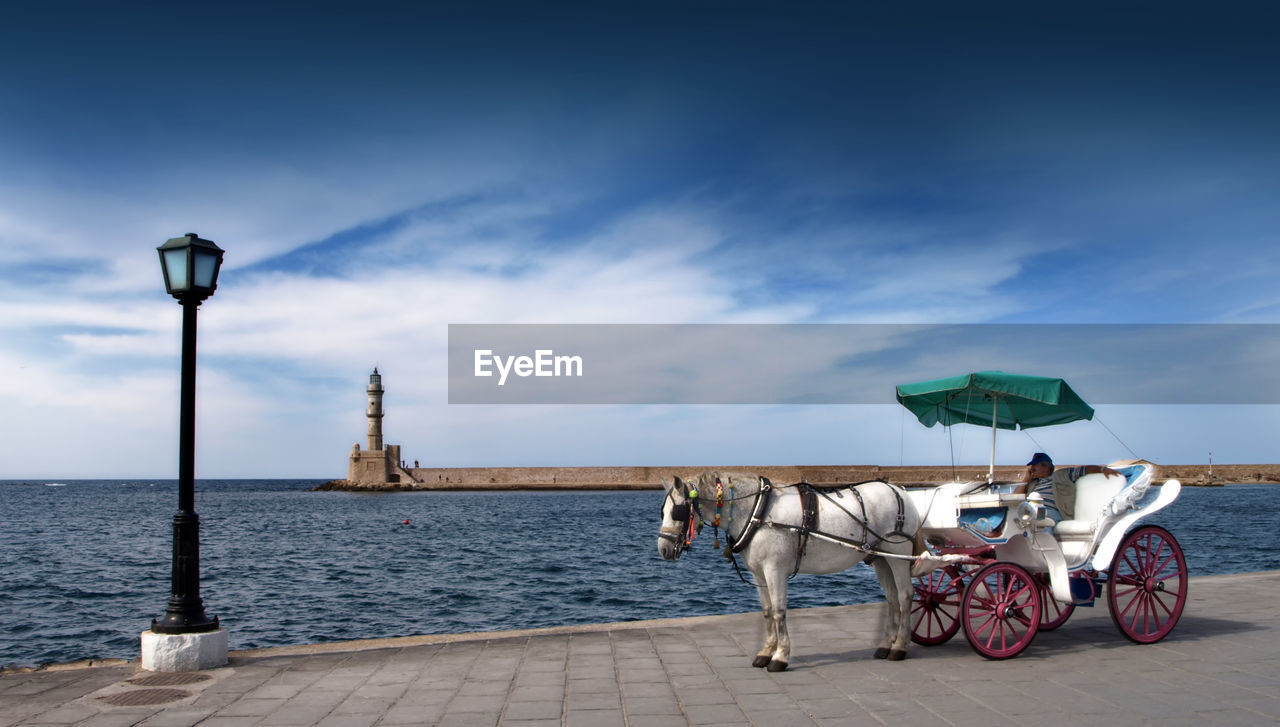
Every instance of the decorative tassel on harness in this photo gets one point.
(693, 529)
(715, 523)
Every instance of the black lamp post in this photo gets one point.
(190, 267)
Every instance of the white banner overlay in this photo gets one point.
(853, 363)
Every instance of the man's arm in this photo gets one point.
(1025, 480)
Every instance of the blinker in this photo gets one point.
(680, 513)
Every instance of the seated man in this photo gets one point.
(1057, 488)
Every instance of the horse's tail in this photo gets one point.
(921, 549)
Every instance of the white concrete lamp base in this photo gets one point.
(184, 652)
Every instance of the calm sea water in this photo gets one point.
(84, 565)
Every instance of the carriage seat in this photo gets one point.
(1093, 494)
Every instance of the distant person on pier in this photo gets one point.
(1058, 488)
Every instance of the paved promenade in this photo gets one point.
(1221, 666)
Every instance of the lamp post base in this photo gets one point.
(184, 652)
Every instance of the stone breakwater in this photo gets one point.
(648, 478)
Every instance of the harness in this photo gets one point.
(808, 521)
(758, 511)
(898, 525)
(808, 527)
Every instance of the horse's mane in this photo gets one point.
(706, 480)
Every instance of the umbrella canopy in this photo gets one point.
(994, 399)
(1008, 401)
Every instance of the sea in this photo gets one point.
(85, 564)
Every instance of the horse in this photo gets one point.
(788, 529)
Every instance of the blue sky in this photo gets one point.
(376, 172)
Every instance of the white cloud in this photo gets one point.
(284, 355)
(324, 328)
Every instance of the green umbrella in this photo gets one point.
(995, 399)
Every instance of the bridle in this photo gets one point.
(681, 535)
(683, 530)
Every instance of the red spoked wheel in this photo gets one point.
(935, 611)
(1052, 613)
(1147, 585)
(1001, 610)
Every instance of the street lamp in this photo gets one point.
(190, 265)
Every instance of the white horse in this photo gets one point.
(872, 522)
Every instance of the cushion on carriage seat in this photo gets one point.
(1093, 493)
(1075, 529)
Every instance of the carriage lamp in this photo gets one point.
(1025, 515)
(1030, 511)
(190, 265)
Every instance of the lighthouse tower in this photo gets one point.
(380, 463)
(375, 410)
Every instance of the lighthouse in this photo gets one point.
(375, 411)
(379, 464)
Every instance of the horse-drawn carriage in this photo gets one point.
(985, 556)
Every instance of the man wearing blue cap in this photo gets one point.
(1057, 488)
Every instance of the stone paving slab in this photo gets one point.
(1220, 666)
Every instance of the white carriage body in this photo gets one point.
(977, 517)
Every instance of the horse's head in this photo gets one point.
(681, 518)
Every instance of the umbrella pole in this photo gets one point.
(995, 411)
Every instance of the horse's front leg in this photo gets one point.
(765, 655)
(781, 655)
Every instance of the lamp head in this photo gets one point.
(190, 265)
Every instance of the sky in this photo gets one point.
(377, 172)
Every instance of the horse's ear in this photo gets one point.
(677, 481)
(666, 485)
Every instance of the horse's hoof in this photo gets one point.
(776, 665)
(760, 662)
(897, 655)
(882, 653)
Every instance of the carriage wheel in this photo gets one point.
(1147, 585)
(1001, 610)
(935, 611)
(1052, 613)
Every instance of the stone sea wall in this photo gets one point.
(646, 478)
(1189, 474)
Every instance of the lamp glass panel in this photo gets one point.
(175, 266)
(206, 265)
